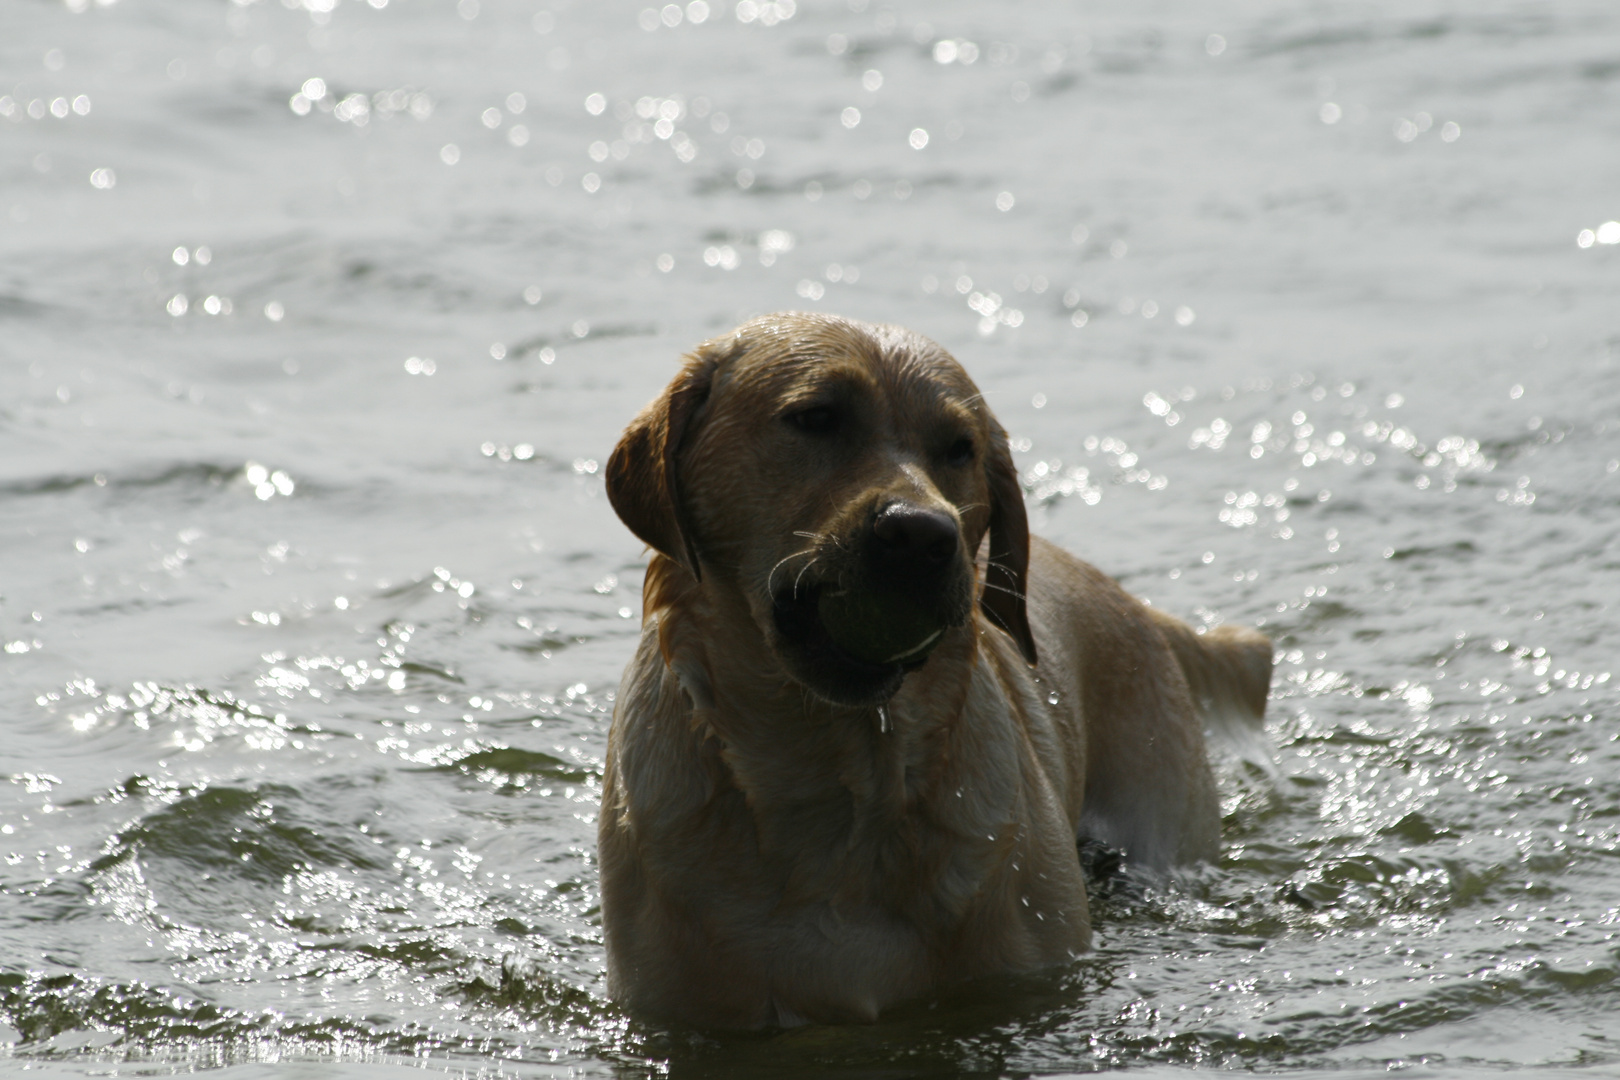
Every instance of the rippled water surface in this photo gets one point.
(317, 320)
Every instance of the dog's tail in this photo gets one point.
(1228, 671)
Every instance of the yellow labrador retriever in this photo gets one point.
(870, 718)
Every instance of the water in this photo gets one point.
(313, 607)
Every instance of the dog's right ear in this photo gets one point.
(643, 482)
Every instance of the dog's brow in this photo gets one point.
(951, 404)
(816, 387)
(959, 408)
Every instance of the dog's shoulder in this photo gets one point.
(1065, 588)
(664, 761)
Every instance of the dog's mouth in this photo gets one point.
(853, 648)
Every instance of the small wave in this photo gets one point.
(184, 474)
(235, 832)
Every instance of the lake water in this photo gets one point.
(318, 320)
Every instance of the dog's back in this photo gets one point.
(1150, 689)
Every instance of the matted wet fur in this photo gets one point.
(792, 834)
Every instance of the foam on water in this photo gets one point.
(317, 321)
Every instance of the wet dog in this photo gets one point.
(870, 718)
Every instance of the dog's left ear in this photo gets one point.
(1007, 573)
(643, 481)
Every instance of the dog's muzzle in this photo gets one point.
(878, 606)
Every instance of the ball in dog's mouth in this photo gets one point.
(854, 647)
(876, 629)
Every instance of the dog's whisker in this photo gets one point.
(800, 578)
(770, 578)
(1001, 567)
(1003, 588)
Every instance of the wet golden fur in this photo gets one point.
(776, 849)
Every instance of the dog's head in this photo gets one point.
(841, 477)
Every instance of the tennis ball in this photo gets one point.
(877, 629)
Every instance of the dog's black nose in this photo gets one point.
(906, 533)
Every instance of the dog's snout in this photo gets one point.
(907, 533)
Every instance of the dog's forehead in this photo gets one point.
(798, 357)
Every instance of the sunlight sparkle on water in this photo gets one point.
(1606, 233)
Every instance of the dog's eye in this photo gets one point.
(816, 420)
(959, 452)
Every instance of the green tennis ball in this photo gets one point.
(877, 629)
